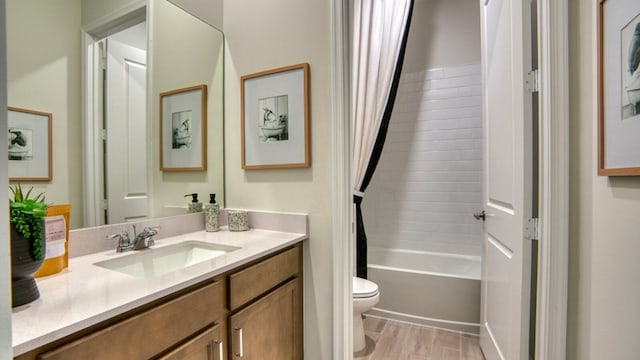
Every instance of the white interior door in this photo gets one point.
(125, 124)
(506, 48)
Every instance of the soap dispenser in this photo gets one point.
(194, 205)
(212, 214)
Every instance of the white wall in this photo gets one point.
(95, 10)
(604, 291)
(45, 76)
(443, 33)
(429, 179)
(5, 263)
(263, 35)
(209, 11)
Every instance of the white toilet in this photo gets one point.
(365, 297)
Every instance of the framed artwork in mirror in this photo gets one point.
(183, 129)
(275, 118)
(618, 87)
(29, 145)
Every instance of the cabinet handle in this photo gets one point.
(220, 353)
(239, 332)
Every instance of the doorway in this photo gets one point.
(115, 146)
(550, 342)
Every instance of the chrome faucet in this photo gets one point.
(124, 243)
(139, 242)
(145, 238)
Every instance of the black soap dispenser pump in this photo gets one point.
(212, 214)
(194, 205)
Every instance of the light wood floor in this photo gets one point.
(388, 339)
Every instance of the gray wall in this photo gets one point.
(443, 33)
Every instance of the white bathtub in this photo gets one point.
(433, 289)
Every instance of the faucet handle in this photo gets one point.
(120, 235)
(151, 230)
(124, 243)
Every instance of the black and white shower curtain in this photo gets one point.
(380, 31)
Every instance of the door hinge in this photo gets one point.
(533, 80)
(103, 134)
(105, 204)
(531, 229)
(103, 55)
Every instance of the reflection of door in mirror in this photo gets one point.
(123, 79)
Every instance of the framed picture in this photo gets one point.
(275, 118)
(183, 129)
(618, 87)
(29, 141)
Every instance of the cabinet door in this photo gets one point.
(269, 328)
(206, 345)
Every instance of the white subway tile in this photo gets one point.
(463, 187)
(428, 181)
(462, 70)
(450, 103)
(432, 74)
(456, 82)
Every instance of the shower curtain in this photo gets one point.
(380, 31)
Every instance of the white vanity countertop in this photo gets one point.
(86, 294)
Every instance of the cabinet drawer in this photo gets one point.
(144, 335)
(255, 280)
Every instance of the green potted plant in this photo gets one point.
(26, 217)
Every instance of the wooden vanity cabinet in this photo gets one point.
(266, 309)
(254, 312)
(176, 327)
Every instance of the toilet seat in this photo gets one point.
(363, 288)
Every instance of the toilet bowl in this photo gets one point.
(365, 297)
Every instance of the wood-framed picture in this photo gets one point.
(275, 118)
(29, 141)
(618, 87)
(183, 129)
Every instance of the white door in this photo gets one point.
(507, 195)
(125, 124)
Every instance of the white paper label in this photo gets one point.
(55, 236)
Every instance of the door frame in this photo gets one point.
(553, 263)
(553, 35)
(342, 183)
(134, 13)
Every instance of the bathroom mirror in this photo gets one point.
(50, 69)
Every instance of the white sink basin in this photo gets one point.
(155, 262)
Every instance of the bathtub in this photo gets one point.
(434, 289)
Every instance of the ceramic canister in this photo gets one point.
(238, 220)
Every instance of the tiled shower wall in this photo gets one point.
(428, 182)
